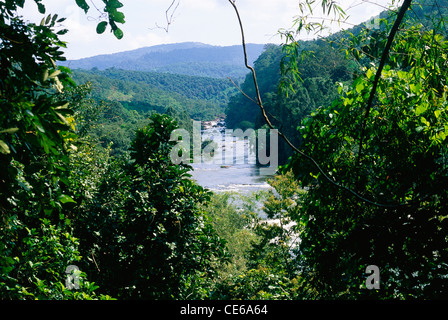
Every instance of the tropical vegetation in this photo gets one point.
(92, 207)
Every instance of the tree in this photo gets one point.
(279, 231)
(56, 185)
(37, 132)
(146, 228)
(264, 242)
(286, 101)
(401, 171)
(374, 163)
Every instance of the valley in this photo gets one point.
(136, 84)
(100, 199)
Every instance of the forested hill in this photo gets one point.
(186, 80)
(191, 87)
(189, 58)
(323, 65)
(131, 96)
(202, 98)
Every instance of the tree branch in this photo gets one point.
(242, 92)
(169, 16)
(263, 111)
(400, 16)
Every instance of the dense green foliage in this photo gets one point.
(267, 67)
(36, 136)
(321, 66)
(202, 98)
(263, 241)
(403, 165)
(128, 98)
(176, 85)
(394, 216)
(65, 201)
(143, 226)
(137, 227)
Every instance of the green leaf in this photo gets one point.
(359, 86)
(54, 74)
(101, 27)
(63, 119)
(10, 130)
(38, 126)
(424, 121)
(62, 32)
(45, 75)
(114, 4)
(41, 8)
(415, 88)
(117, 16)
(63, 198)
(421, 108)
(83, 5)
(118, 33)
(4, 147)
(65, 111)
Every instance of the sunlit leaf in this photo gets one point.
(4, 147)
(66, 199)
(10, 130)
(421, 108)
(117, 16)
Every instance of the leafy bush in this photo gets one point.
(145, 230)
(399, 174)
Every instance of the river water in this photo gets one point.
(233, 165)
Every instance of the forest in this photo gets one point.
(93, 208)
(186, 58)
(127, 98)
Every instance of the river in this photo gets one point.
(237, 172)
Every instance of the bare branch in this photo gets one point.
(169, 15)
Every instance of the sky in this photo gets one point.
(208, 21)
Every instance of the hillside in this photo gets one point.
(131, 96)
(186, 80)
(189, 58)
(191, 87)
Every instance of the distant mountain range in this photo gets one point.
(190, 58)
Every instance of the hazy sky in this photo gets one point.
(208, 21)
